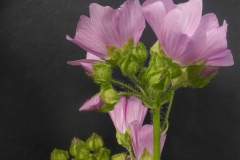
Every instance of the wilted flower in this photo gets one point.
(127, 111)
(107, 27)
(142, 137)
(185, 35)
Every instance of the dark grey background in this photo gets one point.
(40, 94)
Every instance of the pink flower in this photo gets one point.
(127, 111)
(185, 35)
(142, 137)
(107, 27)
(92, 104)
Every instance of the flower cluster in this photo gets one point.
(189, 49)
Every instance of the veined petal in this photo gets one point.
(87, 38)
(135, 110)
(92, 56)
(154, 12)
(169, 5)
(116, 27)
(224, 58)
(137, 148)
(208, 22)
(118, 115)
(192, 12)
(216, 41)
(92, 104)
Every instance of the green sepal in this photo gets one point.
(78, 149)
(127, 48)
(124, 139)
(103, 154)
(194, 77)
(139, 53)
(102, 72)
(94, 143)
(146, 155)
(175, 70)
(156, 48)
(120, 156)
(164, 82)
(58, 154)
(128, 66)
(106, 108)
(142, 75)
(114, 55)
(108, 94)
(194, 70)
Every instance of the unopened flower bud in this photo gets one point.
(94, 143)
(121, 156)
(79, 149)
(59, 155)
(103, 154)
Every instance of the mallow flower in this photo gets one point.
(93, 103)
(107, 27)
(142, 138)
(185, 35)
(126, 111)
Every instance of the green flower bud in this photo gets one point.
(102, 72)
(103, 154)
(94, 143)
(59, 155)
(78, 149)
(121, 156)
(108, 94)
(124, 139)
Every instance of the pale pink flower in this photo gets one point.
(127, 111)
(185, 35)
(142, 137)
(107, 27)
(92, 104)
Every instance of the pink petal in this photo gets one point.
(192, 12)
(169, 5)
(154, 12)
(92, 104)
(172, 40)
(118, 115)
(163, 139)
(85, 63)
(92, 56)
(216, 41)
(135, 110)
(224, 58)
(87, 38)
(208, 22)
(137, 148)
(116, 27)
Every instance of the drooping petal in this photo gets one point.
(92, 104)
(192, 12)
(154, 12)
(118, 115)
(135, 110)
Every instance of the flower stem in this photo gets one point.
(156, 134)
(131, 153)
(135, 80)
(165, 123)
(125, 85)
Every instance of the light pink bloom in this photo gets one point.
(185, 35)
(142, 137)
(92, 104)
(127, 111)
(107, 27)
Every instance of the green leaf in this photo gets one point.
(108, 94)
(102, 72)
(120, 156)
(175, 70)
(58, 154)
(94, 143)
(103, 154)
(78, 149)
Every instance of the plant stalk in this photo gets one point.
(156, 134)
